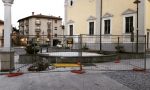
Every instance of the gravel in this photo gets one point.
(131, 79)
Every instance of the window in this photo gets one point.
(37, 22)
(37, 34)
(71, 30)
(55, 35)
(128, 24)
(27, 22)
(71, 3)
(55, 21)
(91, 28)
(55, 28)
(106, 26)
(49, 24)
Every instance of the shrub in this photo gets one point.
(39, 66)
(119, 49)
(32, 48)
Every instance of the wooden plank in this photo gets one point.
(66, 65)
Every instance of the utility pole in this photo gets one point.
(137, 27)
(101, 9)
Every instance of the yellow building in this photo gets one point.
(77, 15)
(108, 17)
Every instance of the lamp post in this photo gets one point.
(101, 25)
(63, 28)
(137, 31)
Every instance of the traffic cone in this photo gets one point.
(14, 74)
(80, 71)
(117, 60)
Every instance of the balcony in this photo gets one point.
(38, 22)
(49, 30)
(26, 23)
(37, 29)
(21, 24)
(27, 30)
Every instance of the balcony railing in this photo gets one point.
(38, 22)
(37, 29)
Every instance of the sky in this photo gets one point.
(24, 8)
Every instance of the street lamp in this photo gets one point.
(101, 25)
(137, 31)
(63, 28)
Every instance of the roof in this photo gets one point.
(41, 16)
(2, 22)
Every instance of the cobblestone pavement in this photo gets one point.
(60, 81)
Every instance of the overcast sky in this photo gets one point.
(24, 8)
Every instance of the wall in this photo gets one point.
(79, 13)
(1, 29)
(116, 8)
(147, 15)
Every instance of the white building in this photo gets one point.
(39, 25)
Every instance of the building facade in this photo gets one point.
(1, 32)
(107, 18)
(47, 28)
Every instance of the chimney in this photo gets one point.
(32, 13)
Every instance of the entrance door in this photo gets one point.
(55, 42)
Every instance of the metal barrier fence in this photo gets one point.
(118, 52)
(78, 42)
